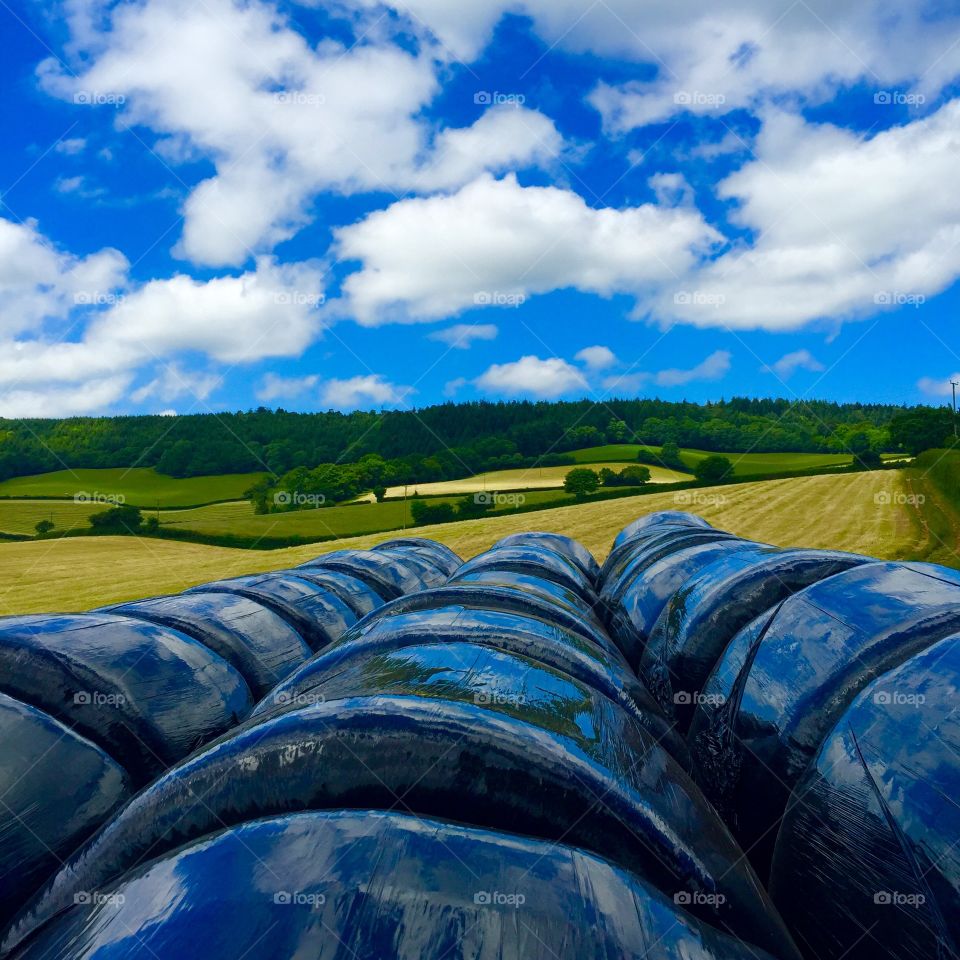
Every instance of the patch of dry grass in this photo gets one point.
(845, 512)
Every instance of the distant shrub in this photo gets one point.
(713, 469)
(581, 482)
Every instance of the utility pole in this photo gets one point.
(953, 385)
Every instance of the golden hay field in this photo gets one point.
(844, 512)
(527, 478)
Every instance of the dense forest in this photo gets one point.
(444, 441)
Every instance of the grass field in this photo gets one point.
(22, 516)
(238, 519)
(848, 512)
(528, 478)
(138, 485)
(744, 464)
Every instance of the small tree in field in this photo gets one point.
(44, 526)
(713, 469)
(634, 476)
(380, 493)
(581, 482)
(124, 519)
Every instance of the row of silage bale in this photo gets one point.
(818, 693)
(94, 706)
(469, 771)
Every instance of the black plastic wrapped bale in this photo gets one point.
(867, 864)
(390, 577)
(773, 698)
(642, 524)
(446, 760)
(431, 571)
(526, 584)
(620, 553)
(442, 555)
(357, 595)
(55, 789)
(648, 593)
(317, 614)
(253, 639)
(379, 885)
(145, 694)
(706, 613)
(539, 562)
(507, 600)
(637, 555)
(570, 548)
(391, 637)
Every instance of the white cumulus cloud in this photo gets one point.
(789, 363)
(532, 376)
(369, 390)
(462, 335)
(596, 358)
(494, 242)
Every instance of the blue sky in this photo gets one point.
(353, 204)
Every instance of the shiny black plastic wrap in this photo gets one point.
(570, 548)
(525, 583)
(543, 643)
(869, 840)
(357, 595)
(705, 614)
(645, 523)
(435, 757)
(56, 788)
(621, 553)
(316, 613)
(384, 572)
(380, 885)
(253, 639)
(774, 695)
(540, 561)
(441, 555)
(642, 602)
(636, 555)
(145, 694)
(508, 600)
(430, 569)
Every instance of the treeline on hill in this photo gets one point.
(436, 443)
